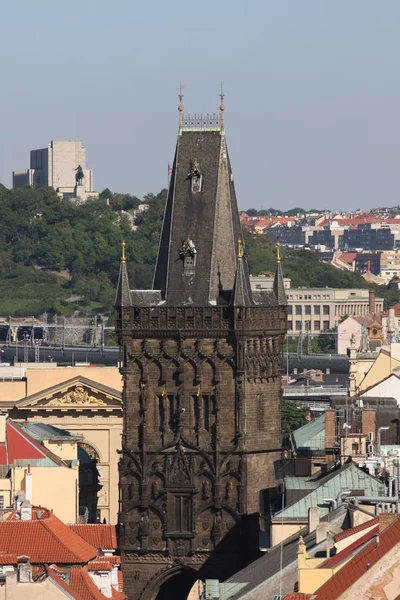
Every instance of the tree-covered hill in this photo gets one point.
(63, 258)
(51, 253)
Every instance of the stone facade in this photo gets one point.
(201, 371)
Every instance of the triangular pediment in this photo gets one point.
(76, 393)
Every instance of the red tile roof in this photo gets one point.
(350, 549)
(8, 559)
(360, 563)
(114, 560)
(348, 532)
(98, 535)
(46, 540)
(100, 565)
(82, 584)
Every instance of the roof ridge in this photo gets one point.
(58, 521)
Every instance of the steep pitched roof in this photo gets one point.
(209, 216)
(45, 540)
(99, 535)
(20, 446)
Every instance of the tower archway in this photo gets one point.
(175, 583)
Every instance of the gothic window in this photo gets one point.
(161, 413)
(183, 509)
(171, 412)
(196, 413)
(260, 412)
(206, 411)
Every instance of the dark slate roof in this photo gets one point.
(145, 297)
(279, 288)
(242, 293)
(268, 566)
(209, 217)
(123, 296)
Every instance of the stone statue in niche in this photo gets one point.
(155, 489)
(143, 529)
(206, 489)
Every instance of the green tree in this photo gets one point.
(294, 416)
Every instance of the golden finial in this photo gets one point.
(278, 251)
(199, 392)
(180, 107)
(164, 391)
(240, 247)
(222, 107)
(123, 257)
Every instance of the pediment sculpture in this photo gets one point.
(78, 397)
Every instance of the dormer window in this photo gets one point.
(196, 177)
(188, 255)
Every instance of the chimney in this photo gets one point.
(24, 570)
(330, 428)
(3, 423)
(371, 302)
(26, 511)
(28, 485)
(313, 518)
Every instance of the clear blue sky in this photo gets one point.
(312, 92)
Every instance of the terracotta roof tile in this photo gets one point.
(348, 532)
(98, 535)
(346, 552)
(100, 565)
(8, 559)
(114, 559)
(82, 584)
(360, 563)
(46, 540)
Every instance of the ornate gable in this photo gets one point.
(77, 393)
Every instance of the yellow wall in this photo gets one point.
(64, 450)
(33, 591)
(40, 379)
(12, 390)
(281, 532)
(381, 368)
(55, 488)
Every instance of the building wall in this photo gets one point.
(281, 532)
(348, 330)
(56, 488)
(319, 309)
(34, 591)
(102, 431)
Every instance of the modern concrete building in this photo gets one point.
(56, 166)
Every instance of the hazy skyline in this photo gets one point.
(312, 92)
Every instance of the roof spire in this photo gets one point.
(180, 107)
(240, 247)
(278, 250)
(222, 107)
(279, 287)
(123, 296)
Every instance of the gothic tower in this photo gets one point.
(201, 370)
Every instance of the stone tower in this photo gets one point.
(202, 375)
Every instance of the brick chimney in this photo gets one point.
(371, 302)
(330, 429)
(368, 421)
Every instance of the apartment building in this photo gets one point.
(320, 309)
